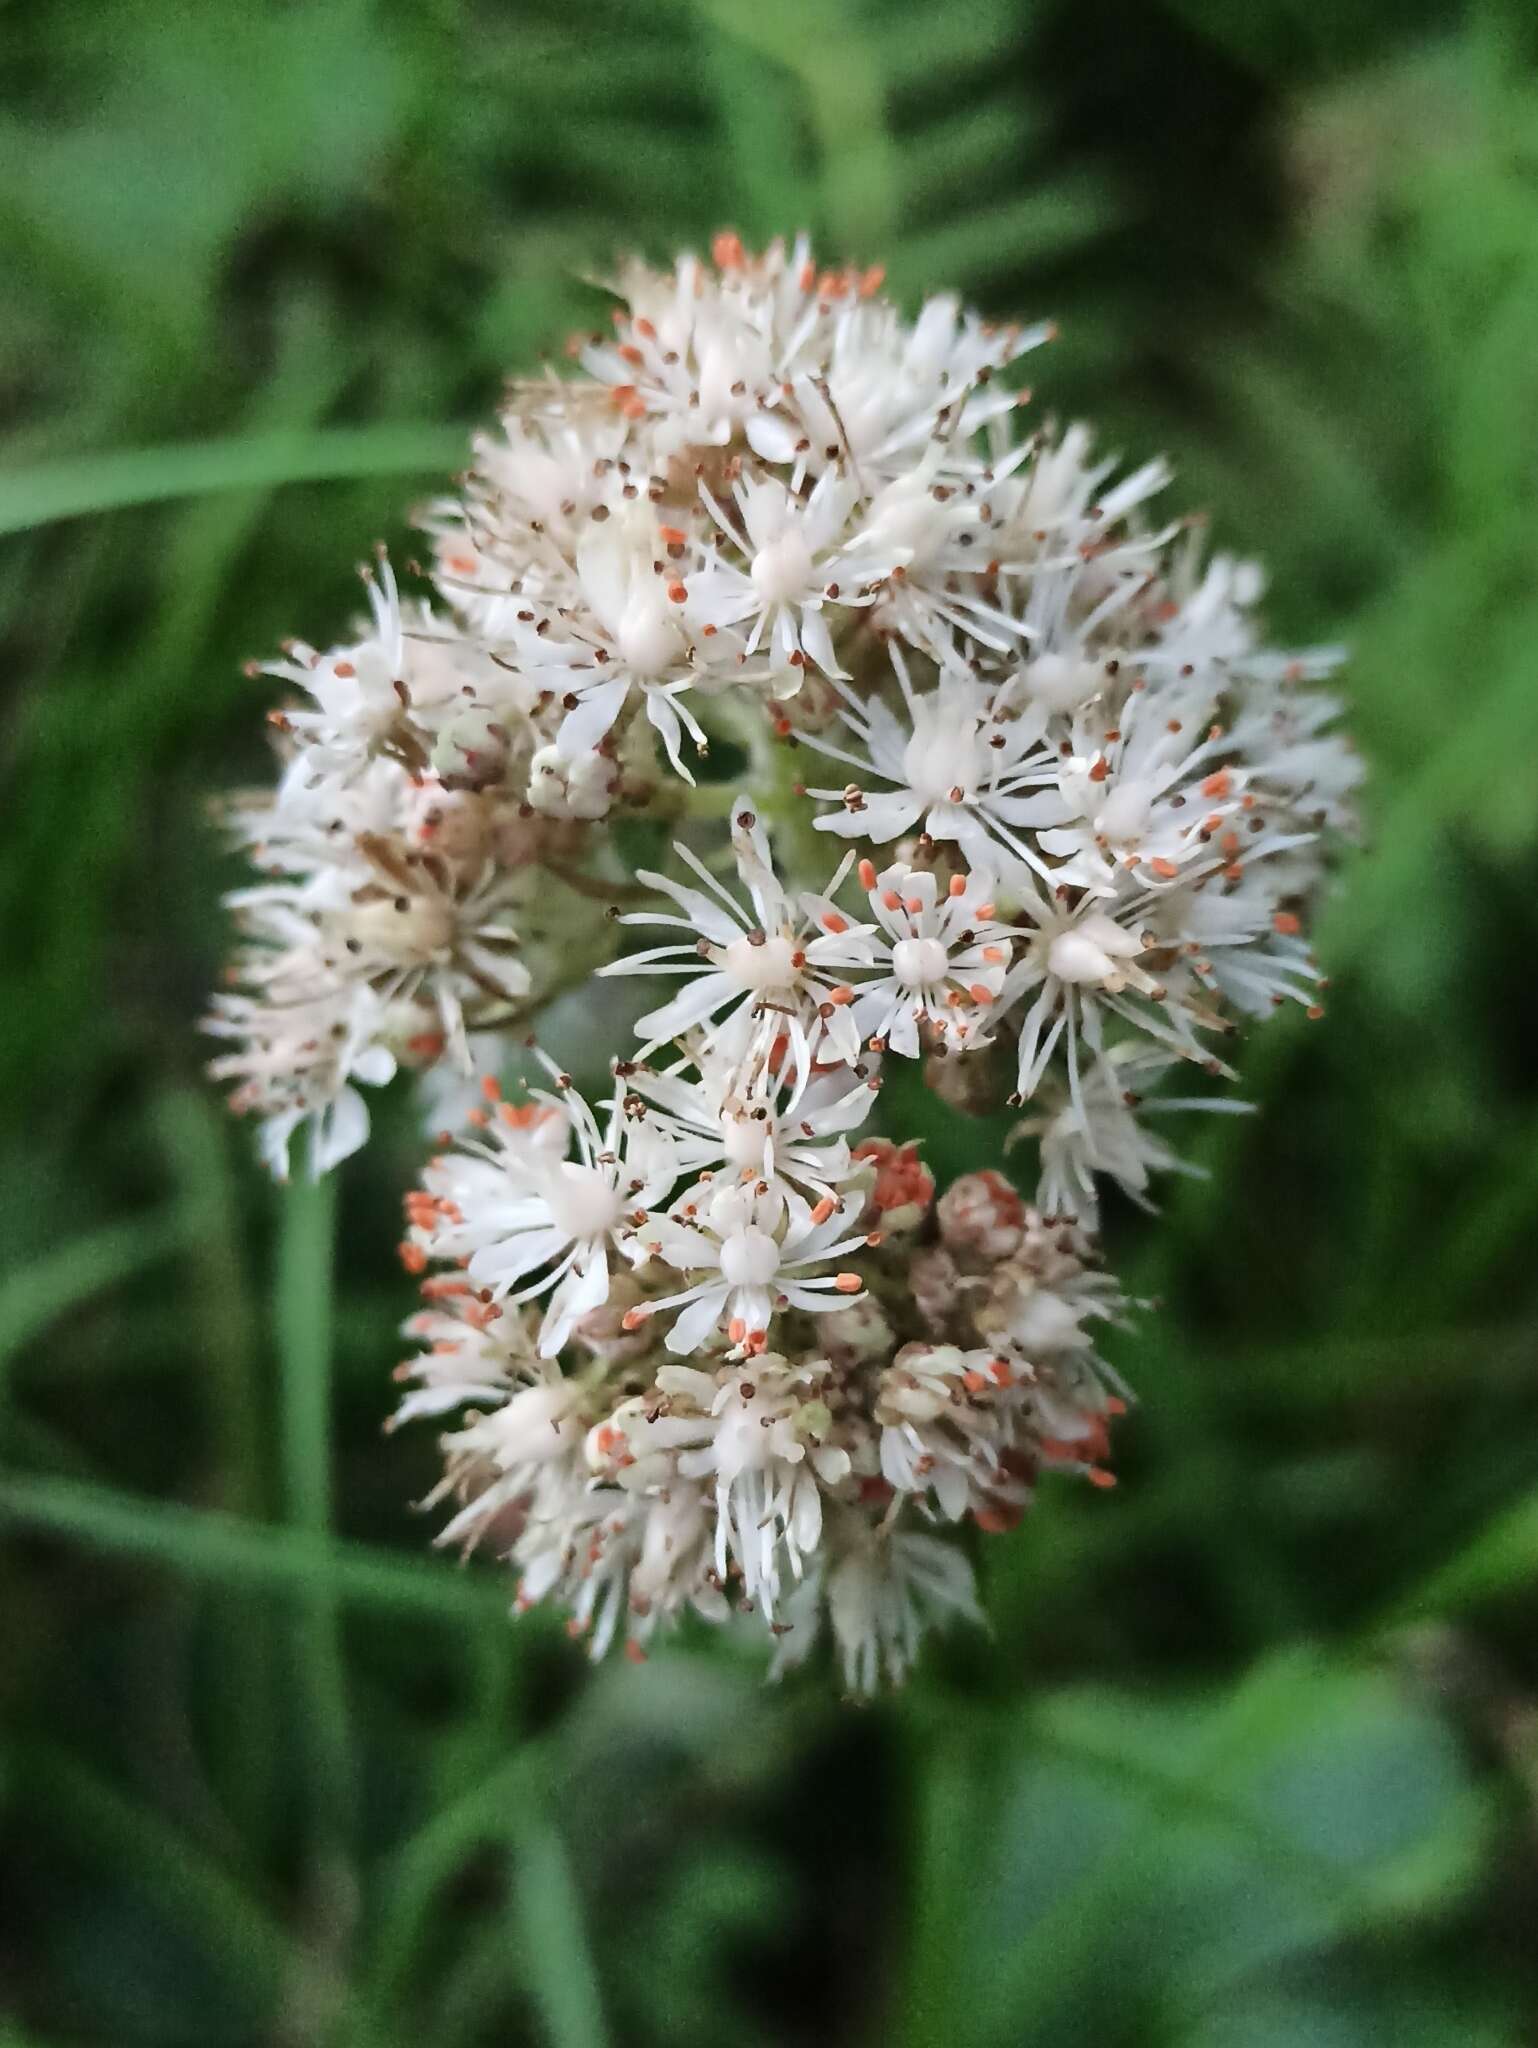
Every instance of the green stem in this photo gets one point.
(304, 1328)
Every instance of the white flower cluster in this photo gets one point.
(713, 1348)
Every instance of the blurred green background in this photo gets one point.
(1251, 1758)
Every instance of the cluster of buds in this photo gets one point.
(713, 1343)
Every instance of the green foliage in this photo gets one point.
(1249, 1760)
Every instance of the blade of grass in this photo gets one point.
(235, 1930)
(194, 1134)
(243, 1556)
(146, 476)
(39, 1294)
(304, 1331)
(1501, 1557)
(547, 1909)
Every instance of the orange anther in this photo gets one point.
(633, 1318)
(832, 922)
(996, 1521)
(847, 1283)
(677, 593)
(1218, 785)
(727, 250)
(1166, 868)
(867, 874)
(1287, 924)
(841, 996)
(957, 886)
(823, 1209)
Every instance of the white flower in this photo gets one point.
(943, 1426)
(754, 974)
(967, 762)
(752, 1255)
(938, 959)
(775, 1132)
(795, 567)
(296, 1065)
(531, 1222)
(882, 1590)
(358, 689)
(767, 512)
(1104, 1131)
(638, 639)
(763, 1442)
(572, 785)
(1081, 967)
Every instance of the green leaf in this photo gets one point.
(146, 476)
(1177, 1845)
